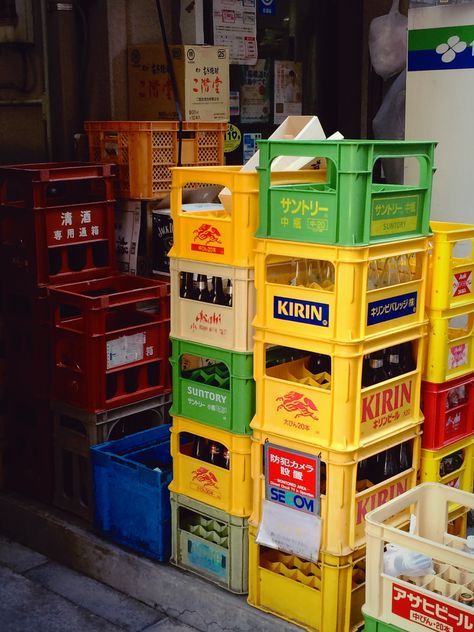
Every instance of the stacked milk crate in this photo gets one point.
(448, 387)
(56, 226)
(340, 333)
(212, 307)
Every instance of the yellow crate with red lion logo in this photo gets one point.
(212, 466)
(350, 483)
(223, 236)
(334, 409)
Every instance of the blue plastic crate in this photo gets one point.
(131, 497)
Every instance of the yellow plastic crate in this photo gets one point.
(345, 500)
(450, 279)
(227, 489)
(223, 236)
(342, 415)
(228, 327)
(145, 151)
(461, 478)
(450, 351)
(331, 297)
(326, 596)
(431, 601)
(457, 524)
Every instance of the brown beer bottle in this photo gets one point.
(375, 372)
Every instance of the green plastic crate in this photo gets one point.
(374, 625)
(209, 542)
(221, 395)
(349, 209)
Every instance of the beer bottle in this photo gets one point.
(319, 363)
(391, 466)
(202, 290)
(200, 448)
(407, 363)
(376, 371)
(404, 457)
(189, 291)
(216, 454)
(218, 296)
(226, 457)
(392, 361)
(228, 293)
(182, 283)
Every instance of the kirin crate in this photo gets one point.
(56, 223)
(345, 497)
(450, 352)
(413, 604)
(449, 411)
(29, 455)
(136, 468)
(145, 151)
(321, 596)
(75, 431)
(27, 343)
(342, 294)
(110, 341)
(210, 542)
(451, 465)
(450, 281)
(213, 386)
(349, 208)
(222, 236)
(334, 411)
(228, 489)
(224, 326)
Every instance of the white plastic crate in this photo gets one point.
(431, 601)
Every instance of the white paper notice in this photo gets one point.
(287, 90)
(290, 531)
(125, 350)
(235, 26)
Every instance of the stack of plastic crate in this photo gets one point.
(212, 307)
(441, 597)
(56, 225)
(448, 386)
(341, 272)
(145, 152)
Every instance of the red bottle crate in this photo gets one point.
(56, 223)
(27, 327)
(29, 454)
(110, 341)
(443, 425)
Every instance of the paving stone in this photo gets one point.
(25, 605)
(114, 606)
(17, 557)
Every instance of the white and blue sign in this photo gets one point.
(298, 311)
(391, 308)
(267, 7)
(290, 499)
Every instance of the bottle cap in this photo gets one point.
(470, 543)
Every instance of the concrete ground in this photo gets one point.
(57, 575)
(41, 595)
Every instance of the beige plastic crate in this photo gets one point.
(210, 324)
(431, 601)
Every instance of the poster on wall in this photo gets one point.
(287, 90)
(254, 93)
(235, 26)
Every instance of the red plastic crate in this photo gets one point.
(443, 427)
(29, 454)
(56, 223)
(110, 341)
(27, 326)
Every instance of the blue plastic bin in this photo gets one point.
(131, 497)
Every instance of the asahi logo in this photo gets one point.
(166, 229)
(306, 312)
(209, 319)
(295, 402)
(379, 498)
(386, 401)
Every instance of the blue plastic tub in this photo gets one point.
(131, 497)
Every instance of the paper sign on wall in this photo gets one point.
(235, 26)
